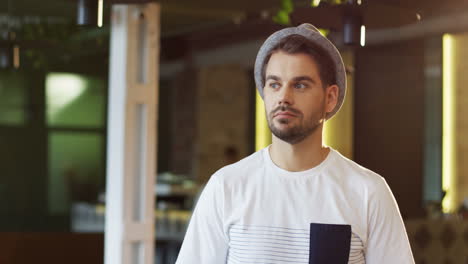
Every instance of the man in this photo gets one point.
(297, 201)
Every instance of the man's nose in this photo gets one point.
(285, 96)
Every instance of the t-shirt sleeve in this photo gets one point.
(205, 241)
(387, 241)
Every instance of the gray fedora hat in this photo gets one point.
(313, 34)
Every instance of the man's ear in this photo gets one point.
(331, 97)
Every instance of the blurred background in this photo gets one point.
(404, 114)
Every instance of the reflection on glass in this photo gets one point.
(138, 251)
(12, 98)
(75, 169)
(74, 100)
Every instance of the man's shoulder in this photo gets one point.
(355, 172)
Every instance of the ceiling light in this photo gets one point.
(352, 29)
(87, 12)
(9, 51)
(363, 36)
(352, 23)
(5, 56)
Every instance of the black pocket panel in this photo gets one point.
(329, 244)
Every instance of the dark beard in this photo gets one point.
(297, 133)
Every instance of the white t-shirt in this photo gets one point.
(255, 212)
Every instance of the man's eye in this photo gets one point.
(300, 86)
(274, 85)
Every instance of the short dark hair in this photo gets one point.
(294, 44)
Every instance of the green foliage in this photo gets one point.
(44, 44)
(282, 17)
(315, 3)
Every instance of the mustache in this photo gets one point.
(285, 108)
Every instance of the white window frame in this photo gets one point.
(132, 134)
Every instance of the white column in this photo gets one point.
(132, 134)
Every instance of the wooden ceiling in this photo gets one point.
(180, 17)
(191, 25)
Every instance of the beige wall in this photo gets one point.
(223, 116)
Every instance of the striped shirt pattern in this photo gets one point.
(278, 245)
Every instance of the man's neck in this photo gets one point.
(301, 156)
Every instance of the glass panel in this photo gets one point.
(12, 98)
(76, 169)
(142, 63)
(138, 252)
(75, 100)
(140, 163)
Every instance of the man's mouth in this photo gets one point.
(284, 114)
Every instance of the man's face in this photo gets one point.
(295, 99)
